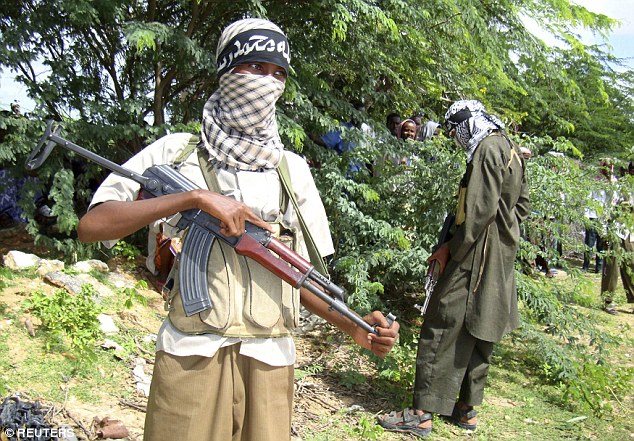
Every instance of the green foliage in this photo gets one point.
(367, 429)
(68, 319)
(598, 385)
(126, 250)
(397, 368)
(351, 378)
(61, 193)
(572, 352)
(384, 223)
(308, 370)
(6, 275)
(133, 296)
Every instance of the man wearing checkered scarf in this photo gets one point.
(474, 303)
(226, 373)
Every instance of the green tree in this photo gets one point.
(121, 74)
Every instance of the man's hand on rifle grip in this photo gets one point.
(380, 344)
(441, 256)
(232, 214)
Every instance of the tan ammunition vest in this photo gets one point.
(247, 299)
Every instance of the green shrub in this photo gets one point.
(68, 320)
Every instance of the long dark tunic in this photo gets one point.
(485, 243)
(475, 301)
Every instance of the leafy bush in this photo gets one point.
(126, 250)
(133, 296)
(572, 352)
(68, 319)
(368, 429)
(385, 217)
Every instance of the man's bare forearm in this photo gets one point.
(117, 219)
(379, 344)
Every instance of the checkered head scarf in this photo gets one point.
(239, 129)
(472, 124)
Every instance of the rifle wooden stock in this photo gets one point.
(299, 273)
(203, 229)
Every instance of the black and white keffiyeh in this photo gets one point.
(239, 129)
(472, 124)
(238, 126)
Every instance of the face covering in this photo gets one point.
(239, 129)
(472, 124)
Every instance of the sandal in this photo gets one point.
(460, 417)
(610, 309)
(407, 422)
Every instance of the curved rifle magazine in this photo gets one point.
(192, 271)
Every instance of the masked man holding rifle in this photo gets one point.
(475, 300)
(226, 373)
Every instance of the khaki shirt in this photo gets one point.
(258, 190)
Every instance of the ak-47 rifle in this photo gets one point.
(433, 271)
(256, 242)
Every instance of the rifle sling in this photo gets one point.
(311, 246)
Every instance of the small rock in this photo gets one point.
(17, 260)
(86, 266)
(29, 327)
(110, 344)
(142, 379)
(107, 325)
(119, 280)
(47, 266)
(74, 284)
(107, 428)
(63, 280)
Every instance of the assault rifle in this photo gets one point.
(256, 242)
(432, 272)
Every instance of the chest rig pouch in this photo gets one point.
(248, 300)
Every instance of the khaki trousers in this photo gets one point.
(228, 397)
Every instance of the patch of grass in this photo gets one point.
(344, 426)
(517, 406)
(27, 366)
(5, 365)
(570, 378)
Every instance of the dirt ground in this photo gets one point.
(322, 395)
(319, 395)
